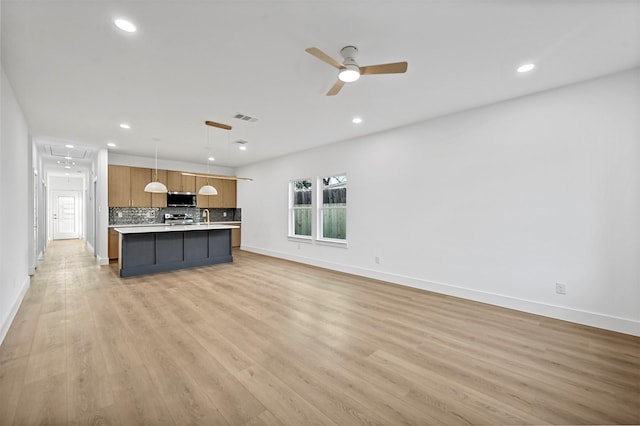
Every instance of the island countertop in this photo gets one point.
(171, 228)
(162, 248)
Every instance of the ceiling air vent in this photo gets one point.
(245, 118)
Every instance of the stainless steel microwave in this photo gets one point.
(181, 199)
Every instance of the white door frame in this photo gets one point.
(77, 195)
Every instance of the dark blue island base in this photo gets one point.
(151, 252)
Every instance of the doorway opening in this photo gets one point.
(66, 215)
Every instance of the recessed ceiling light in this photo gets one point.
(211, 159)
(68, 146)
(66, 174)
(67, 158)
(125, 126)
(125, 25)
(67, 167)
(111, 144)
(242, 148)
(526, 67)
(356, 120)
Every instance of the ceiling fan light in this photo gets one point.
(156, 187)
(349, 74)
(526, 67)
(208, 190)
(125, 25)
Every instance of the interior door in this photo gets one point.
(65, 215)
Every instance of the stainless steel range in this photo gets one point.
(177, 219)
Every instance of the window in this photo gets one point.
(332, 213)
(300, 210)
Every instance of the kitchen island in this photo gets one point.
(150, 249)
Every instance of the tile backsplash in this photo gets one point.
(148, 215)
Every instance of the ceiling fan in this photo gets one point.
(349, 70)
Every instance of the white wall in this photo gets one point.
(100, 169)
(15, 232)
(494, 204)
(149, 162)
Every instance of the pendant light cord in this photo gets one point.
(156, 162)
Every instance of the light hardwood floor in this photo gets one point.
(267, 342)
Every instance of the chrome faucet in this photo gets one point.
(205, 213)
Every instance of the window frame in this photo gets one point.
(292, 209)
(320, 209)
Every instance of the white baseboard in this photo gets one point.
(102, 260)
(593, 319)
(90, 247)
(6, 322)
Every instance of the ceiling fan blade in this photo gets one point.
(394, 68)
(336, 88)
(323, 57)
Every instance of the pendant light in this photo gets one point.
(208, 189)
(155, 186)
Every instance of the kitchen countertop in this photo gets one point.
(141, 229)
(230, 222)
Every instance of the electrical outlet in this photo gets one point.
(561, 288)
(119, 214)
(224, 214)
(377, 260)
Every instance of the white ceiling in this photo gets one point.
(77, 76)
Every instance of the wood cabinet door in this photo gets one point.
(119, 186)
(229, 193)
(174, 181)
(189, 184)
(202, 201)
(140, 177)
(216, 200)
(114, 244)
(236, 237)
(159, 200)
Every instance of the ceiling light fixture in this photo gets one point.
(211, 159)
(125, 25)
(67, 163)
(356, 120)
(111, 144)
(156, 186)
(68, 146)
(349, 73)
(242, 144)
(125, 126)
(526, 67)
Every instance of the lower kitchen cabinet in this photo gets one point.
(236, 236)
(113, 244)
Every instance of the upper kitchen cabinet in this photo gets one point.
(139, 179)
(159, 200)
(204, 201)
(226, 197)
(119, 186)
(177, 182)
(228, 193)
(126, 186)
